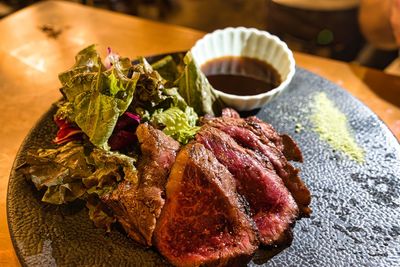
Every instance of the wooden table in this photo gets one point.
(31, 57)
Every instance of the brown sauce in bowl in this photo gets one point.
(241, 75)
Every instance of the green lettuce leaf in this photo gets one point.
(73, 171)
(180, 125)
(60, 172)
(167, 68)
(94, 96)
(120, 86)
(122, 89)
(149, 90)
(96, 114)
(163, 106)
(196, 90)
(174, 99)
(64, 193)
(111, 168)
(86, 61)
(65, 111)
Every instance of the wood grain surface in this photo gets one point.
(40, 41)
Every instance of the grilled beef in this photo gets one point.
(230, 113)
(274, 150)
(137, 206)
(229, 190)
(203, 221)
(288, 150)
(272, 207)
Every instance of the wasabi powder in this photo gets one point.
(332, 126)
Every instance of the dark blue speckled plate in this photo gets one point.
(356, 208)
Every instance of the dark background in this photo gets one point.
(332, 34)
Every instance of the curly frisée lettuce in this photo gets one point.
(180, 125)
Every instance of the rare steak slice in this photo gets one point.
(203, 222)
(288, 150)
(253, 135)
(267, 134)
(137, 206)
(272, 207)
(230, 113)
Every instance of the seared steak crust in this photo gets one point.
(291, 149)
(137, 206)
(275, 150)
(272, 207)
(288, 173)
(203, 221)
(229, 190)
(230, 113)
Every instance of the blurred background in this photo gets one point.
(327, 28)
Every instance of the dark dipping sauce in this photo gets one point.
(241, 75)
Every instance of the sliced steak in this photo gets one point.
(137, 207)
(265, 132)
(290, 149)
(254, 135)
(203, 222)
(272, 207)
(239, 130)
(230, 113)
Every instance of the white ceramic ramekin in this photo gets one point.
(251, 43)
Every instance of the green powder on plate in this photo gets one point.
(332, 126)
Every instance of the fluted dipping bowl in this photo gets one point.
(250, 43)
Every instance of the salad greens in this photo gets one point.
(74, 171)
(196, 90)
(167, 68)
(110, 168)
(96, 96)
(96, 144)
(60, 172)
(180, 125)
